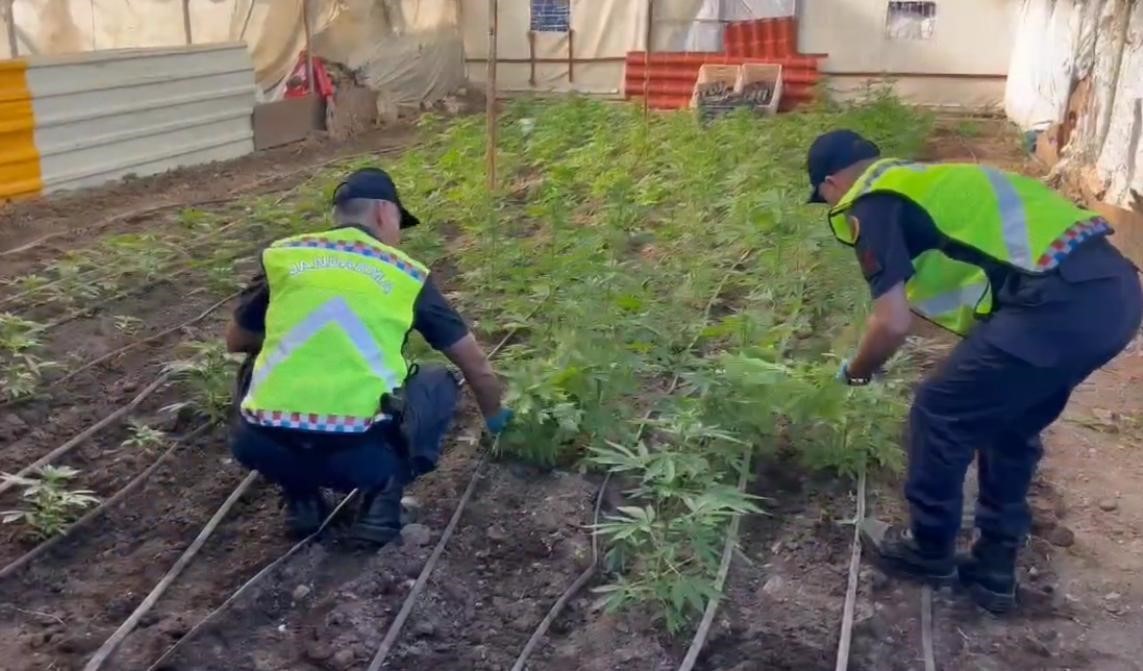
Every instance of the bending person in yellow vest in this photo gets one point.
(1042, 299)
(327, 398)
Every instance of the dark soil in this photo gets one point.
(522, 540)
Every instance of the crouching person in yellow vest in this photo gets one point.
(329, 400)
(1042, 299)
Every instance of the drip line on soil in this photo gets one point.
(927, 627)
(151, 338)
(426, 571)
(153, 209)
(589, 572)
(88, 432)
(723, 571)
(94, 275)
(137, 289)
(851, 588)
(398, 623)
(411, 600)
(109, 646)
(103, 507)
(266, 570)
(190, 267)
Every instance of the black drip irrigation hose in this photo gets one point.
(107, 504)
(587, 574)
(266, 570)
(269, 568)
(90, 431)
(111, 644)
(846, 637)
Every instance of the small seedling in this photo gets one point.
(968, 128)
(49, 506)
(143, 436)
(209, 377)
(127, 324)
(21, 369)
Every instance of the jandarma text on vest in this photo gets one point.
(334, 263)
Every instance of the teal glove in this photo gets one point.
(500, 421)
(845, 378)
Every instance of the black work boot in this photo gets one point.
(989, 574)
(894, 550)
(379, 519)
(304, 513)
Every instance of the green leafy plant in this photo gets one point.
(127, 324)
(208, 377)
(664, 248)
(21, 368)
(143, 436)
(667, 549)
(49, 506)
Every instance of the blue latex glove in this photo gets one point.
(500, 421)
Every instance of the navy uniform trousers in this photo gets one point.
(1005, 383)
(301, 462)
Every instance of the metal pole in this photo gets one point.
(647, 58)
(490, 92)
(309, 46)
(187, 22)
(10, 19)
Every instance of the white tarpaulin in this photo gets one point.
(1043, 59)
(411, 50)
(1060, 44)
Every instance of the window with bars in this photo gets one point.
(551, 16)
(911, 20)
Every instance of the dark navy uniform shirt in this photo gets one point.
(433, 317)
(893, 231)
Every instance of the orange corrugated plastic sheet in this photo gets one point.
(19, 159)
(667, 79)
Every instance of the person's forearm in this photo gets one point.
(467, 356)
(486, 388)
(880, 342)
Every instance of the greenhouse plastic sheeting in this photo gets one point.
(378, 36)
(1043, 58)
(1060, 43)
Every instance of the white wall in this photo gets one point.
(102, 115)
(970, 37)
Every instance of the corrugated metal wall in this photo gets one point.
(103, 115)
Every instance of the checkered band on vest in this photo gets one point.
(361, 249)
(1071, 239)
(312, 422)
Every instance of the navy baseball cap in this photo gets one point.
(833, 152)
(373, 184)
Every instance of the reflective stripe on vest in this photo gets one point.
(1013, 219)
(341, 305)
(966, 296)
(336, 311)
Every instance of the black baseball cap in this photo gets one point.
(833, 152)
(373, 184)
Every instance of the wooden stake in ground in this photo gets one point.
(187, 22)
(490, 92)
(647, 59)
(308, 25)
(10, 20)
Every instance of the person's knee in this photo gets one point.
(367, 467)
